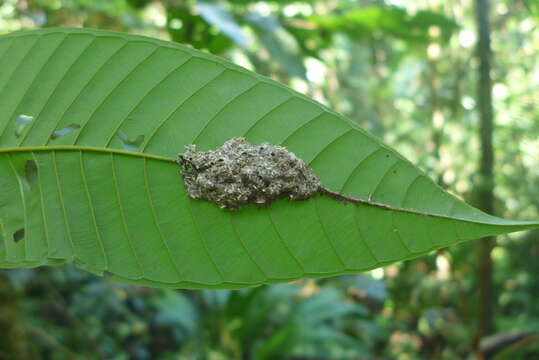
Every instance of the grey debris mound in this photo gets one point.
(238, 173)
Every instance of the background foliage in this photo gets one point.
(404, 70)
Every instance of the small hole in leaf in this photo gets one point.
(65, 131)
(18, 235)
(394, 172)
(21, 123)
(30, 172)
(387, 155)
(128, 144)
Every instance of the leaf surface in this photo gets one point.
(91, 120)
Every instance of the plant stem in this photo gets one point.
(485, 192)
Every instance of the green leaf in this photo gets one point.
(388, 20)
(88, 178)
(282, 46)
(222, 19)
(186, 27)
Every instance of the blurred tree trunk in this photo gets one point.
(484, 188)
(13, 343)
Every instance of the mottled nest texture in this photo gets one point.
(238, 173)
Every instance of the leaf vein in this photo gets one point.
(235, 230)
(68, 107)
(363, 239)
(30, 85)
(281, 238)
(154, 216)
(23, 203)
(62, 204)
(326, 235)
(150, 90)
(31, 125)
(4, 127)
(347, 180)
(7, 49)
(275, 108)
(112, 91)
(201, 236)
(283, 142)
(91, 205)
(169, 116)
(122, 215)
(41, 203)
(328, 145)
(236, 97)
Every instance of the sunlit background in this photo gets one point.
(404, 70)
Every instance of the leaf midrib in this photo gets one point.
(522, 224)
(87, 149)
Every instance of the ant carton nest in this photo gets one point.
(238, 173)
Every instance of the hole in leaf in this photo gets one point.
(21, 123)
(65, 131)
(128, 144)
(18, 235)
(30, 172)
